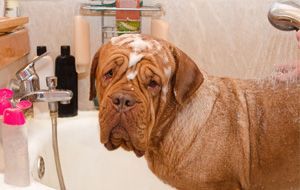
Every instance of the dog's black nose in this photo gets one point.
(123, 102)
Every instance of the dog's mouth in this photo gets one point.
(120, 137)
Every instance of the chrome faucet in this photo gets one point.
(27, 86)
(285, 15)
(27, 79)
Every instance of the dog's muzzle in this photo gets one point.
(119, 136)
(123, 102)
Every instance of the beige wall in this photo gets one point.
(8, 72)
(230, 37)
(225, 37)
(51, 24)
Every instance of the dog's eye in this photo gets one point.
(153, 84)
(108, 75)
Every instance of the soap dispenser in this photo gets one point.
(67, 79)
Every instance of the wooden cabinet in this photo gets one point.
(13, 46)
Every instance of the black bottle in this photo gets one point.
(67, 79)
(41, 50)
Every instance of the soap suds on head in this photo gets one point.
(125, 38)
(167, 72)
(134, 58)
(156, 44)
(124, 41)
(165, 59)
(164, 92)
(131, 75)
(138, 45)
(136, 42)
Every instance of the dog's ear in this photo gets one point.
(93, 75)
(187, 78)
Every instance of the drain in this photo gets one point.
(40, 167)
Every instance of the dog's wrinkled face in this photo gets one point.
(135, 80)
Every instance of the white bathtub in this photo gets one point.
(86, 164)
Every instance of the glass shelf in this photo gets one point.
(96, 10)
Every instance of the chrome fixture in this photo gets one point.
(27, 78)
(27, 86)
(53, 107)
(285, 15)
(40, 167)
(62, 96)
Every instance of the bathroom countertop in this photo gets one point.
(34, 186)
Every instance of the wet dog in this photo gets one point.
(196, 131)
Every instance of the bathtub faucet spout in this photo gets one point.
(63, 96)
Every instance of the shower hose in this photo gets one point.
(54, 115)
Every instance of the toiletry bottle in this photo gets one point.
(15, 148)
(5, 95)
(44, 68)
(128, 21)
(65, 71)
(82, 44)
(12, 8)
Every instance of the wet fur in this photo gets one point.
(233, 134)
(222, 133)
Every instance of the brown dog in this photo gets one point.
(196, 131)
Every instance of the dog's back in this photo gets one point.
(274, 134)
(273, 111)
(238, 135)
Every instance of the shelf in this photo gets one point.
(94, 10)
(98, 9)
(9, 24)
(120, 32)
(13, 46)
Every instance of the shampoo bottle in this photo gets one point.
(128, 21)
(67, 79)
(15, 147)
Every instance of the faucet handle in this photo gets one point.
(51, 82)
(28, 70)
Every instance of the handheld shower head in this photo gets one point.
(285, 15)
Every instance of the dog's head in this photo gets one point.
(137, 79)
